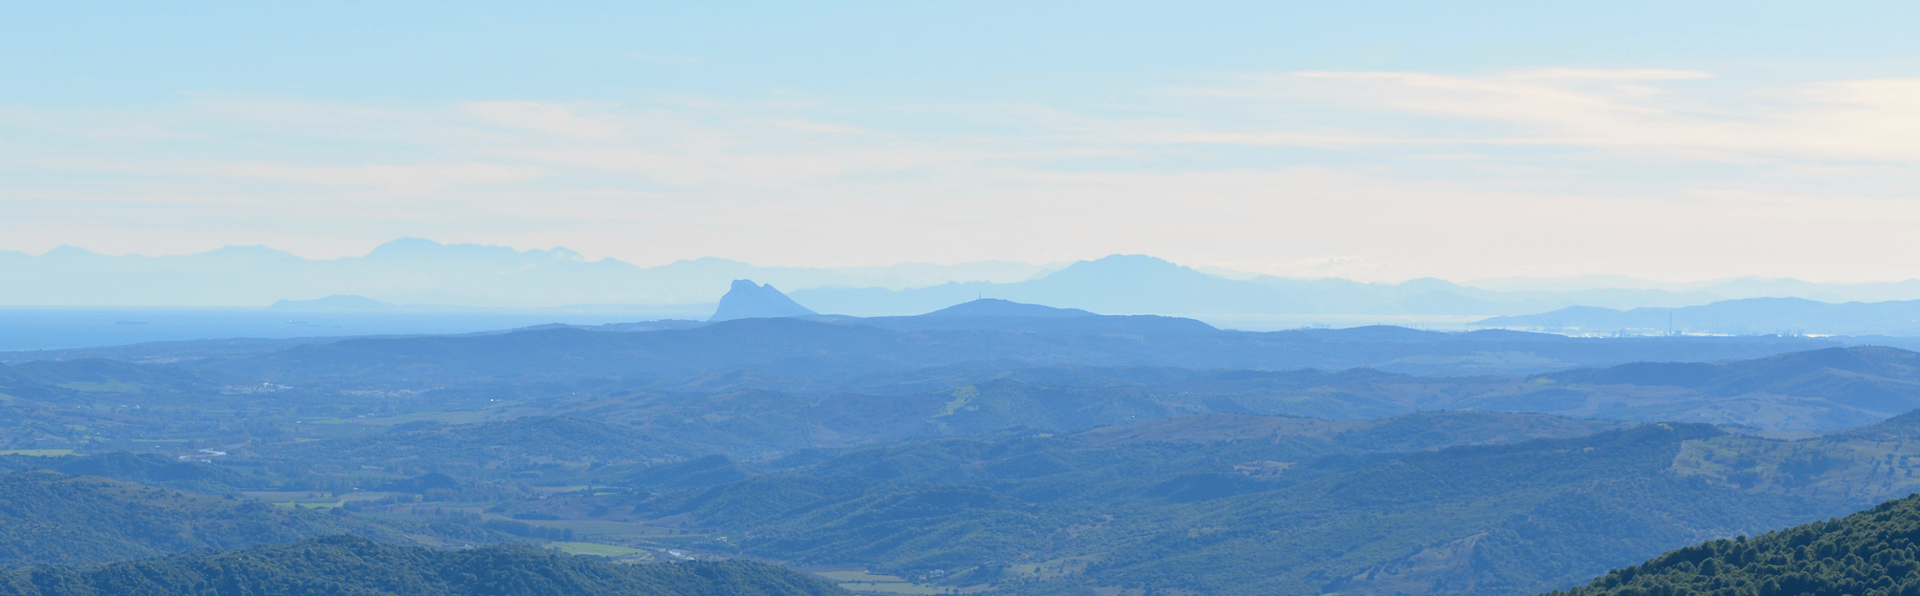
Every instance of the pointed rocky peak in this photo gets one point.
(748, 300)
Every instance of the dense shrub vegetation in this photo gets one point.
(348, 566)
(1871, 553)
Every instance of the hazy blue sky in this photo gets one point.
(1374, 140)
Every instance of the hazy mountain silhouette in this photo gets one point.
(1118, 284)
(1747, 316)
(417, 271)
(993, 307)
(989, 314)
(335, 302)
(1122, 284)
(412, 271)
(747, 300)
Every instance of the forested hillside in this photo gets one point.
(143, 468)
(1297, 510)
(486, 445)
(349, 566)
(1870, 553)
(50, 517)
(1506, 519)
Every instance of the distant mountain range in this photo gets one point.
(415, 271)
(1138, 284)
(422, 272)
(1784, 316)
(992, 314)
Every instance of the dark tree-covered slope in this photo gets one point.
(349, 566)
(1871, 553)
(47, 517)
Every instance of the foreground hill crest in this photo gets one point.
(1871, 553)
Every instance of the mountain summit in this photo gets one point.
(748, 300)
(993, 307)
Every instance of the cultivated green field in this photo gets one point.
(861, 582)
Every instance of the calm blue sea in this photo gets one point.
(49, 328)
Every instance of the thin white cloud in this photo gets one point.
(1399, 174)
(546, 118)
(1604, 74)
(815, 127)
(1869, 120)
(405, 178)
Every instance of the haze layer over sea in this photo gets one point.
(51, 328)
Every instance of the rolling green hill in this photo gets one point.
(141, 468)
(1303, 510)
(1831, 388)
(1236, 504)
(532, 440)
(1505, 519)
(746, 414)
(350, 566)
(1229, 504)
(1419, 431)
